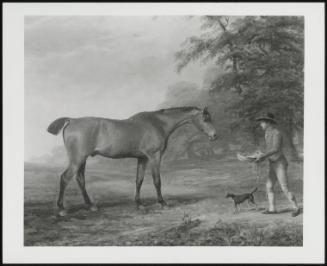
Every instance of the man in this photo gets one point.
(277, 164)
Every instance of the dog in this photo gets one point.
(238, 199)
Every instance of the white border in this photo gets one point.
(13, 140)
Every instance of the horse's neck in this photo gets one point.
(172, 121)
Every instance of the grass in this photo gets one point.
(223, 234)
(199, 214)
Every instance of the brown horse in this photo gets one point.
(143, 136)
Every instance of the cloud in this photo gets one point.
(98, 66)
(59, 35)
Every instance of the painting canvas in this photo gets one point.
(164, 130)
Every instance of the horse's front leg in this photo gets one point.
(141, 166)
(155, 168)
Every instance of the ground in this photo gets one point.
(198, 213)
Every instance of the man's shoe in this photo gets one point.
(296, 212)
(269, 212)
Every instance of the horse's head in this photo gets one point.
(203, 122)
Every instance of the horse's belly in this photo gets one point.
(119, 140)
(118, 152)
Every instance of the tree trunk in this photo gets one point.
(235, 71)
(289, 135)
(255, 137)
(234, 59)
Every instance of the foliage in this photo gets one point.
(262, 61)
(184, 93)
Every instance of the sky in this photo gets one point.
(99, 66)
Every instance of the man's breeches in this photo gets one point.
(277, 171)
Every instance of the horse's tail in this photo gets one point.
(57, 125)
(254, 190)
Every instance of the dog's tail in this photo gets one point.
(254, 190)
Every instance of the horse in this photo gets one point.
(143, 136)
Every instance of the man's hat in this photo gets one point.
(267, 117)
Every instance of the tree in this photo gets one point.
(182, 93)
(262, 60)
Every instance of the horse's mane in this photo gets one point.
(167, 111)
(176, 109)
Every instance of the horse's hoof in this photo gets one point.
(163, 205)
(62, 213)
(94, 208)
(140, 207)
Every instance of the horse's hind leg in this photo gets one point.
(81, 182)
(141, 165)
(66, 176)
